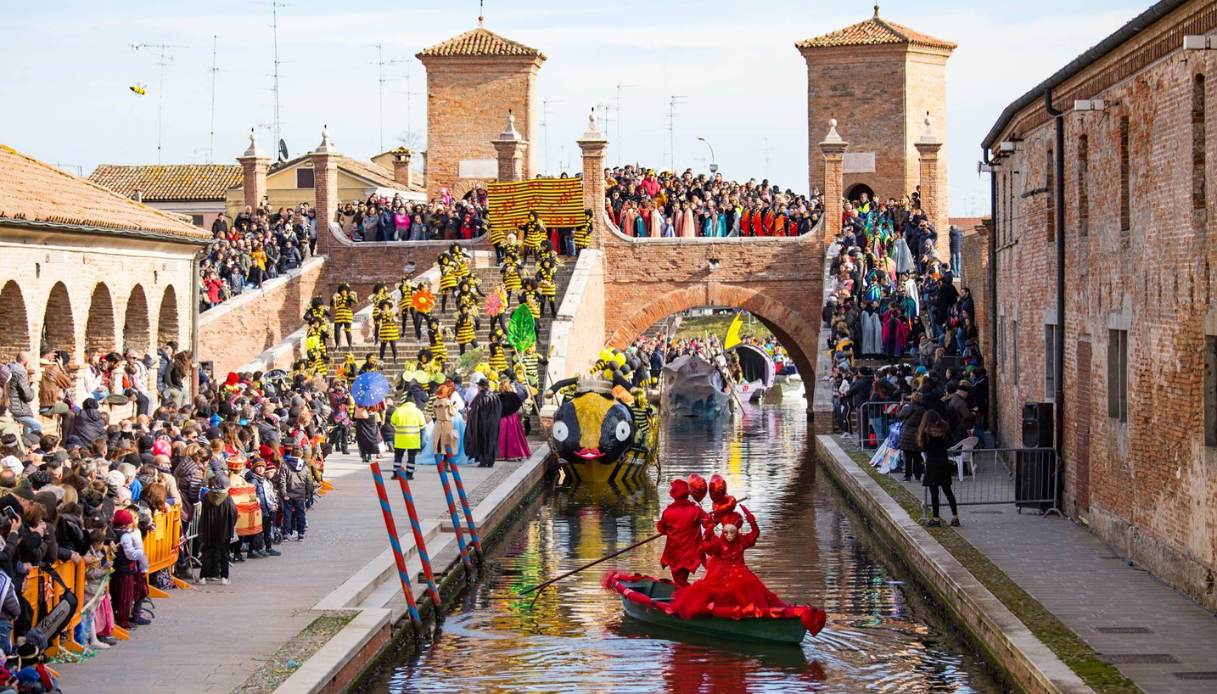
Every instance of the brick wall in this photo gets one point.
(467, 103)
(975, 258)
(777, 280)
(879, 95)
(233, 332)
(1145, 485)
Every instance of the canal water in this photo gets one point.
(881, 634)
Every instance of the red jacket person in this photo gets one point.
(681, 522)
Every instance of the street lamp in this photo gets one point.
(713, 162)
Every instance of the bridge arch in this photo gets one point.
(797, 335)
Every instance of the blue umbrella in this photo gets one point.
(370, 389)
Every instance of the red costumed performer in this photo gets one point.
(681, 522)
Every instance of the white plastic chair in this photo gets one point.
(961, 453)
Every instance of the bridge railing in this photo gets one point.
(813, 233)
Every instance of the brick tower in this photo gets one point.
(473, 80)
(878, 79)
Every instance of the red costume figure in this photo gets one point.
(681, 522)
(729, 589)
(697, 487)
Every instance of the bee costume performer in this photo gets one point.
(343, 305)
(534, 233)
(389, 331)
(583, 232)
(380, 294)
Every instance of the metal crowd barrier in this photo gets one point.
(1025, 477)
(43, 592)
(873, 421)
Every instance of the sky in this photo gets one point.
(738, 79)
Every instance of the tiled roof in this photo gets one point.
(376, 174)
(874, 32)
(479, 42)
(169, 182)
(34, 191)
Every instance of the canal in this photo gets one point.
(881, 635)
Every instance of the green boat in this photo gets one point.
(784, 630)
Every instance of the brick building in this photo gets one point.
(194, 190)
(1129, 196)
(473, 80)
(87, 270)
(879, 80)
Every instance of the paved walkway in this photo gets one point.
(1156, 636)
(211, 638)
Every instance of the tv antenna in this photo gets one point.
(673, 102)
(380, 88)
(163, 59)
(274, 13)
(545, 125)
(211, 136)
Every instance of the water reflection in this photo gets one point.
(880, 635)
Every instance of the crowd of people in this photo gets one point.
(257, 245)
(643, 203)
(381, 218)
(903, 340)
(241, 460)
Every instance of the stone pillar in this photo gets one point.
(593, 144)
(325, 190)
(402, 173)
(511, 148)
(932, 199)
(833, 185)
(253, 170)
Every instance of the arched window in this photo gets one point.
(14, 323)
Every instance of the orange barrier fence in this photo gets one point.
(43, 592)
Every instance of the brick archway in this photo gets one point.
(791, 329)
(167, 321)
(99, 328)
(136, 322)
(58, 323)
(14, 322)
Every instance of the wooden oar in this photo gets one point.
(601, 560)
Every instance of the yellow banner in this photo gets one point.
(557, 201)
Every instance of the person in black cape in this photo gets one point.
(216, 527)
(482, 426)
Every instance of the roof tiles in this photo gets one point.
(479, 42)
(875, 32)
(170, 182)
(34, 191)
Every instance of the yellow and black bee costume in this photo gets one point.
(534, 233)
(498, 355)
(466, 331)
(380, 294)
(389, 331)
(583, 232)
(349, 368)
(435, 341)
(547, 287)
(530, 297)
(511, 276)
(342, 304)
(448, 278)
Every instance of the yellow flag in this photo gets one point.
(732, 338)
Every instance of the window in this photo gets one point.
(1014, 340)
(1117, 374)
(1125, 180)
(1199, 204)
(1210, 390)
(304, 178)
(1049, 362)
(1083, 195)
(1050, 195)
(196, 219)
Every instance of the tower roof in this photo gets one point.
(479, 42)
(875, 32)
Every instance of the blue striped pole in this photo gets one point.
(407, 587)
(460, 490)
(419, 542)
(456, 520)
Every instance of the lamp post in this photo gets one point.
(713, 161)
